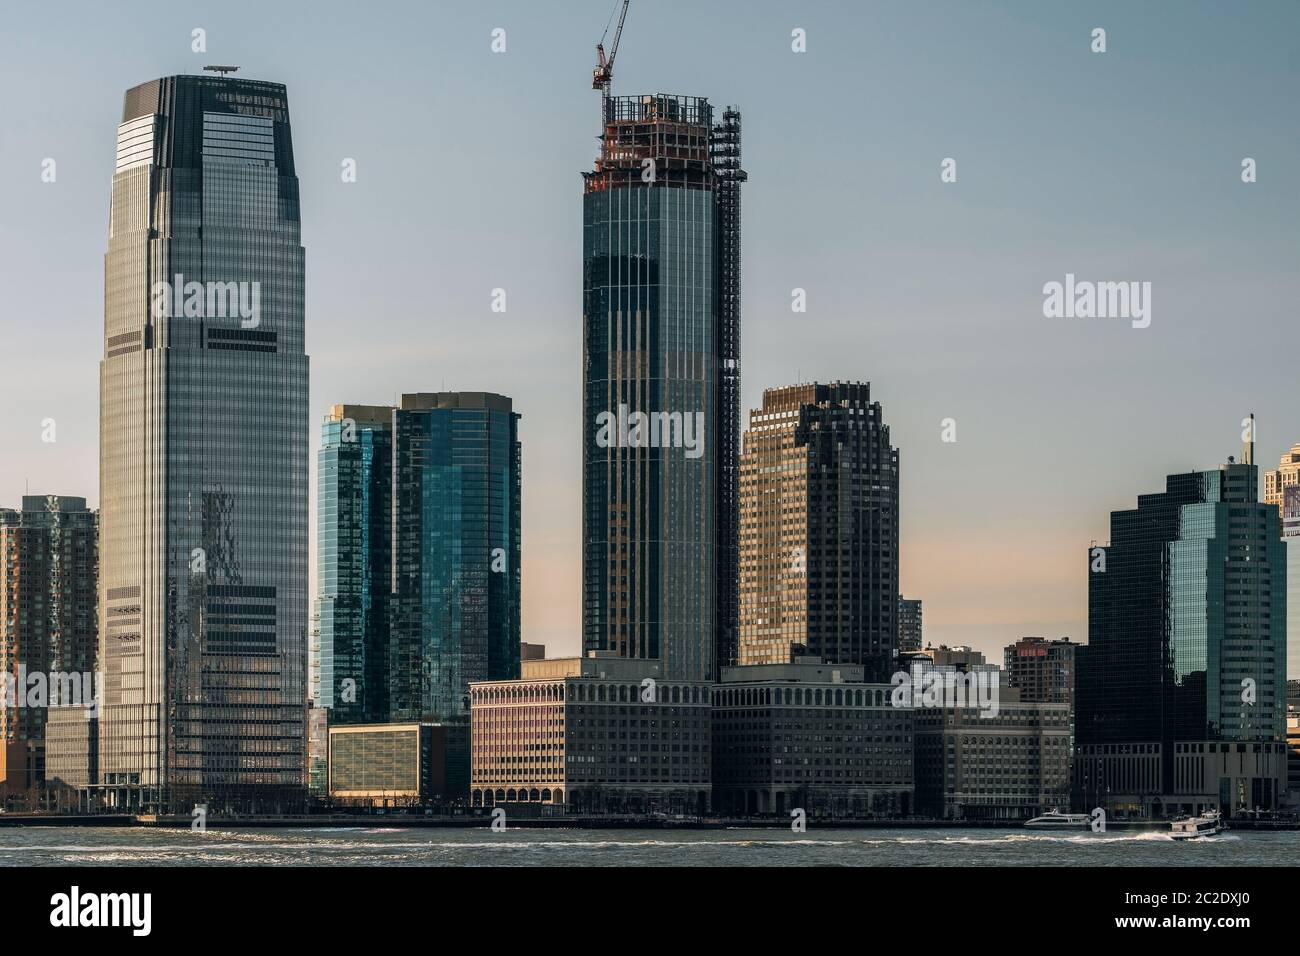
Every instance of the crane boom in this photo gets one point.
(603, 74)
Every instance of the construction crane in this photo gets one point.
(604, 71)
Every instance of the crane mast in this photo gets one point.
(603, 74)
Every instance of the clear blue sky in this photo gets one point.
(1116, 166)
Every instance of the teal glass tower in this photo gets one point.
(1181, 688)
(454, 611)
(354, 504)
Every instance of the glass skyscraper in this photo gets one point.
(354, 503)
(418, 538)
(661, 344)
(1181, 688)
(454, 612)
(203, 451)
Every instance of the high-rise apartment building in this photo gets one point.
(910, 634)
(1180, 690)
(661, 344)
(1042, 670)
(48, 569)
(354, 505)
(819, 530)
(203, 451)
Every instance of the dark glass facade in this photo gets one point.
(661, 339)
(1187, 638)
(203, 451)
(354, 504)
(454, 608)
(725, 155)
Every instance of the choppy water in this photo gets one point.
(106, 846)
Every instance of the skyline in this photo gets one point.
(1004, 427)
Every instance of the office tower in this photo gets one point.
(1180, 689)
(354, 504)
(819, 529)
(203, 452)
(454, 609)
(661, 346)
(1282, 488)
(48, 569)
(1042, 670)
(909, 625)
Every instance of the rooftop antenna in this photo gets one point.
(223, 70)
(1248, 446)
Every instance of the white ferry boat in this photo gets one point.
(1056, 820)
(1190, 828)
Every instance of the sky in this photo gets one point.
(1122, 165)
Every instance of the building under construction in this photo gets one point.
(661, 337)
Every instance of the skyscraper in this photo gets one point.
(661, 344)
(910, 632)
(354, 504)
(419, 555)
(454, 609)
(1181, 688)
(203, 451)
(48, 565)
(819, 529)
(1282, 488)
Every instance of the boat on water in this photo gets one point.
(1190, 828)
(1056, 820)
